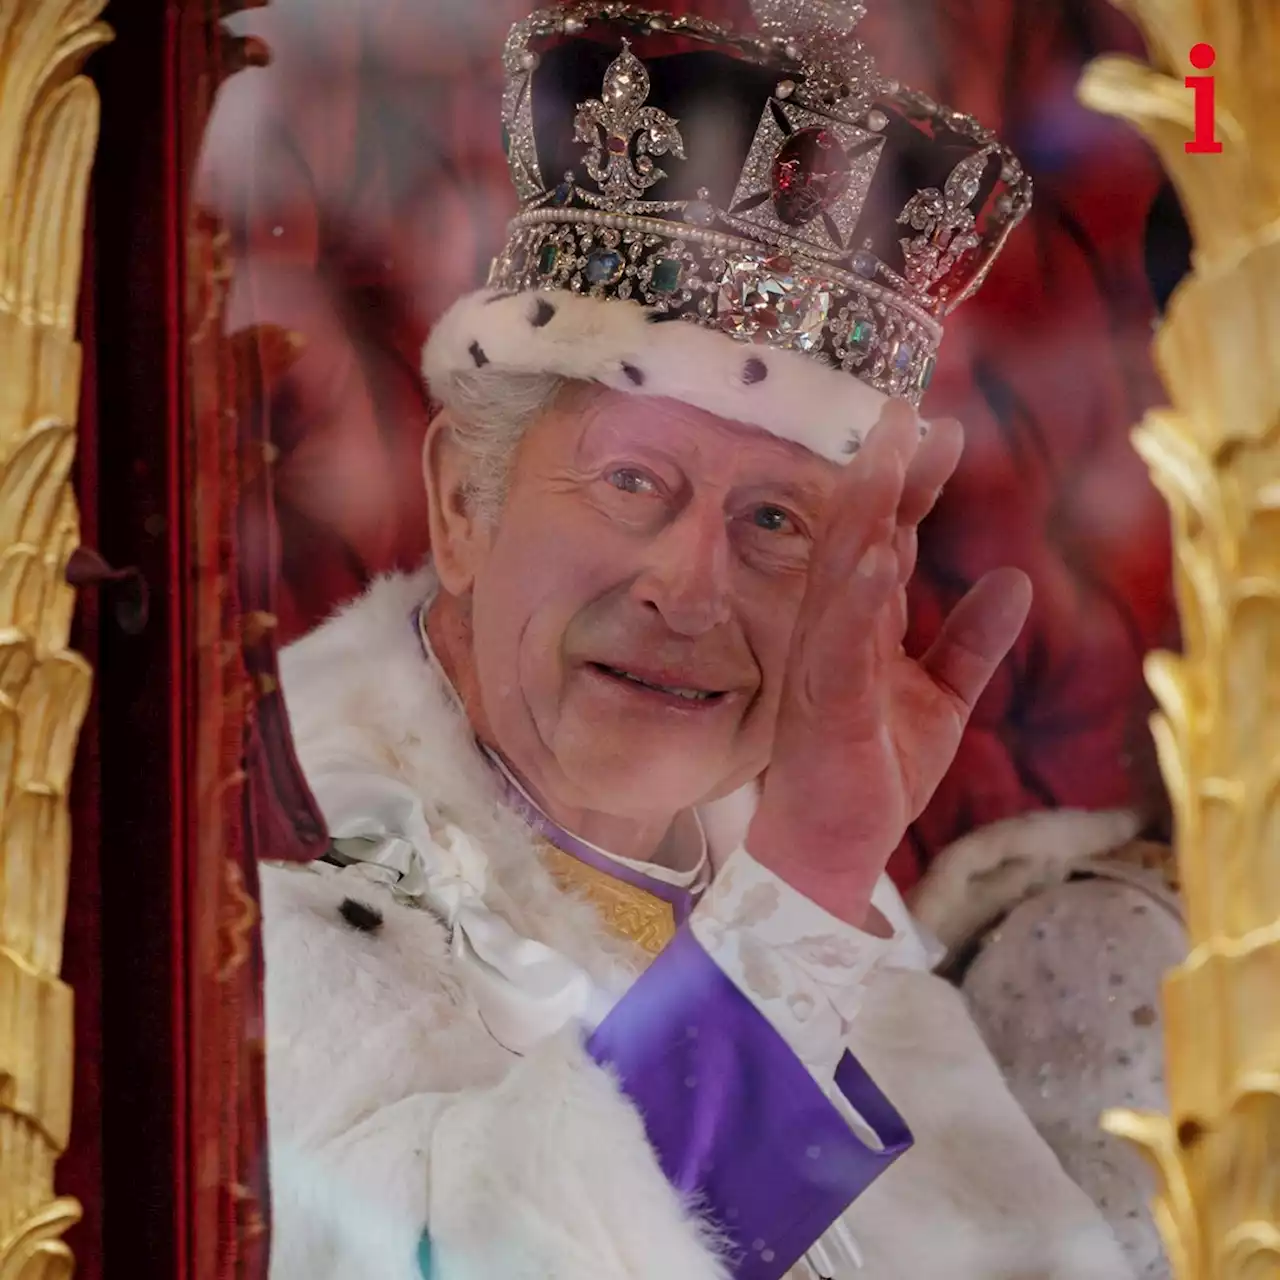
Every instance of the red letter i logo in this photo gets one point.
(1203, 143)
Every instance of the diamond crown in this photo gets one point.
(773, 186)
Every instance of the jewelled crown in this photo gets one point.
(773, 186)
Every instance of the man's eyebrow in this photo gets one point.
(799, 491)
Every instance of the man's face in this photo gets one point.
(633, 607)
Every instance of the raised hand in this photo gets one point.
(865, 733)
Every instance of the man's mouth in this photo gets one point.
(684, 692)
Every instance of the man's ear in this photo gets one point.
(459, 536)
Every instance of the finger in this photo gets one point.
(906, 547)
(864, 517)
(934, 463)
(977, 635)
(890, 445)
(844, 656)
(897, 430)
(863, 508)
(891, 624)
(893, 621)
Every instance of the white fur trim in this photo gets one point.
(391, 1109)
(980, 1195)
(978, 878)
(550, 1174)
(599, 339)
(390, 1104)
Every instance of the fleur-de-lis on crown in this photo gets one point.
(945, 221)
(624, 135)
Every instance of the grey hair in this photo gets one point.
(489, 412)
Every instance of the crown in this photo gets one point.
(772, 186)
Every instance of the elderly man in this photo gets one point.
(602, 976)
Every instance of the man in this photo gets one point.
(602, 976)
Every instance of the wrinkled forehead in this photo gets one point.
(599, 417)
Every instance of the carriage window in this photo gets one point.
(668, 593)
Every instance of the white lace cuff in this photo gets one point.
(804, 969)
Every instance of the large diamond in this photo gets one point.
(768, 301)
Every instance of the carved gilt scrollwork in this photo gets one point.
(1215, 455)
(48, 134)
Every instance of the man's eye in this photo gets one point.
(629, 480)
(773, 519)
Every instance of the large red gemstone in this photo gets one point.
(618, 145)
(810, 173)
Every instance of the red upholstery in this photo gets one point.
(363, 179)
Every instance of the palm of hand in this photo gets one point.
(866, 733)
(922, 726)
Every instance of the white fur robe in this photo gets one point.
(391, 1107)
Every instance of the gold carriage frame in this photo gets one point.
(1215, 455)
(48, 135)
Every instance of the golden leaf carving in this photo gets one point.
(36, 1250)
(48, 133)
(1215, 456)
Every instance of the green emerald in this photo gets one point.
(862, 335)
(506, 141)
(547, 259)
(666, 275)
(926, 373)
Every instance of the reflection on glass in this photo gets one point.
(699, 869)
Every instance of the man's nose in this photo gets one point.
(686, 575)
